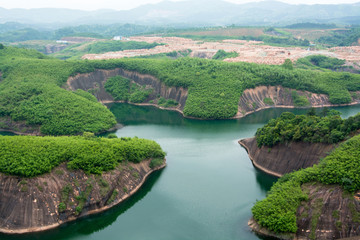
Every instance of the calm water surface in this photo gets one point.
(205, 192)
(7, 133)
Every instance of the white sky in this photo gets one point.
(126, 4)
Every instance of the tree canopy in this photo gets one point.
(329, 127)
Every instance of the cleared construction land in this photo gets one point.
(249, 51)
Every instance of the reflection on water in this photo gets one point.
(128, 114)
(7, 134)
(136, 115)
(265, 181)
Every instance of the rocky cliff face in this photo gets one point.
(251, 100)
(95, 81)
(277, 96)
(46, 201)
(285, 158)
(330, 212)
(18, 127)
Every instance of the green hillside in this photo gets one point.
(29, 156)
(329, 128)
(78, 50)
(277, 212)
(31, 89)
(215, 87)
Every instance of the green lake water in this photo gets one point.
(7, 133)
(205, 193)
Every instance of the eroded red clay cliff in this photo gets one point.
(33, 204)
(330, 213)
(253, 100)
(95, 81)
(285, 158)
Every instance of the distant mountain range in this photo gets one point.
(193, 12)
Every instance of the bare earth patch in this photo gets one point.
(249, 51)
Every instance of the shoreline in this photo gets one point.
(146, 104)
(88, 213)
(256, 165)
(238, 115)
(262, 231)
(20, 133)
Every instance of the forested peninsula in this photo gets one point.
(47, 181)
(34, 99)
(320, 200)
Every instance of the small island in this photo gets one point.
(317, 202)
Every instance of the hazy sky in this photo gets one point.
(125, 4)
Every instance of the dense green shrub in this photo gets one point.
(112, 46)
(86, 95)
(121, 89)
(319, 62)
(31, 91)
(288, 64)
(118, 87)
(277, 211)
(78, 50)
(161, 101)
(306, 128)
(299, 101)
(112, 135)
(139, 94)
(156, 162)
(326, 62)
(169, 103)
(221, 55)
(268, 101)
(177, 54)
(341, 37)
(62, 207)
(30, 156)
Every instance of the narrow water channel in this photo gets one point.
(206, 192)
